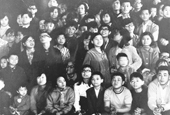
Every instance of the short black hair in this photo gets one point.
(123, 1)
(119, 55)
(136, 75)
(161, 68)
(127, 21)
(146, 7)
(118, 74)
(104, 25)
(97, 73)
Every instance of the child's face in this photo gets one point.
(2, 85)
(146, 40)
(137, 4)
(70, 68)
(19, 19)
(86, 42)
(126, 7)
(71, 30)
(42, 25)
(13, 60)
(29, 43)
(4, 63)
(22, 91)
(105, 32)
(123, 61)
(61, 40)
(50, 27)
(61, 82)
(116, 5)
(166, 11)
(32, 9)
(93, 30)
(4, 21)
(117, 37)
(145, 15)
(54, 14)
(130, 27)
(86, 73)
(98, 41)
(52, 3)
(163, 77)
(19, 36)
(10, 37)
(106, 18)
(45, 39)
(26, 19)
(117, 82)
(81, 9)
(153, 11)
(136, 83)
(42, 80)
(96, 80)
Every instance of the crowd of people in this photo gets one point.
(85, 57)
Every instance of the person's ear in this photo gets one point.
(92, 42)
(142, 82)
(123, 82)
(102, 81)
(110, 32)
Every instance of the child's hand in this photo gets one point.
(164, 42)
(138, 111)
(157, 111)
(10, 95)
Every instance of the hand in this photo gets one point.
(138, 111)
(164, 42)
(157, 111)
(9, 93)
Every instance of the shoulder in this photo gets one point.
(90, 90)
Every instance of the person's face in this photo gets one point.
(4, 21)
(29, 43)
(71, 31)
(146, 40)
(22, 91)
(54, 14)
(155, 2)
(63, 19)
(93, 30)
(61, 40)
(70, 68)
(63, 8)
(123, 61)
(19, 36)
(86, 73)
(2, 85)
(163, 77)
(166, 11)
(117, 37)
(105, 32)
(126, 7)
(106, 18)
(52, 3)
(83, 29)
(50, 27)
(45, 39)
(26, 19)
(11, 37)
(96, 80)
(117, 82)
(61, 83)
(98, 41)
(145, 15)
(81, 9)
(42, 25)
(32, 9)
(42, 80)
(116, 5)
(19, 19)
(13, 60)
(136, 83)
(4, 63)
(153, 11)
(130, 27)
(86, 42)
(137, 4)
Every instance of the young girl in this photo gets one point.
(149, 56)
(61, 53)
(3, 62)
(97, 58)
(80, 89)
(95, 95)
(21, 103)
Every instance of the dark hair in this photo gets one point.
(72, 23)
(92, 24)
(145, 34)
(26, 12)
(123, 1)
(127, 21)
(166, 4)
(53, 8)
(97, 73)
(162, 68)
(13, 54)
(146, 7)
(4, 57)
(104, 25)
(86, 6)
(136, 75)
(126, 37)
(92, 38)
(103, 13)
(118, 74)
(161, 61)
(119, 55)
(5, 14)
(25, 38)
(10, 30)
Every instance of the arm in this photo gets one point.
(77, 98)
(87, 59)
(152, 96)
(155, 32)
(70, 101)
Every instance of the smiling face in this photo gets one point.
(4, 21)
(105, 32)
(26, 19)
(106, 18)
(117, 82)
(61, 83)
(42, 80)
(86, 73)
(96, 80)
(166, 12)
(81, 9)
(163, 77)
(61, 39)
(22, 91)
(126, 7)
(145, 15)
(29, 43)
(98, 41)
(146, 40)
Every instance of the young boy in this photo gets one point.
(116, 7)
(159, 91)
(21, 101)
(95, 95)
(13, 75)
(117, 98)
(4, 106)
(147, 25)
(139, 94)
(124, 67)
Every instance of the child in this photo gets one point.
(95, 95)
(147, 25)
(4, 62)
(4, 106)
(117, 98)
(159, 91)
(124, 68)
(21, 102)
(149, 56)
(139, 95)
(116, 7)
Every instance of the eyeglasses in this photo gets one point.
(70, 66)
(86, 70)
